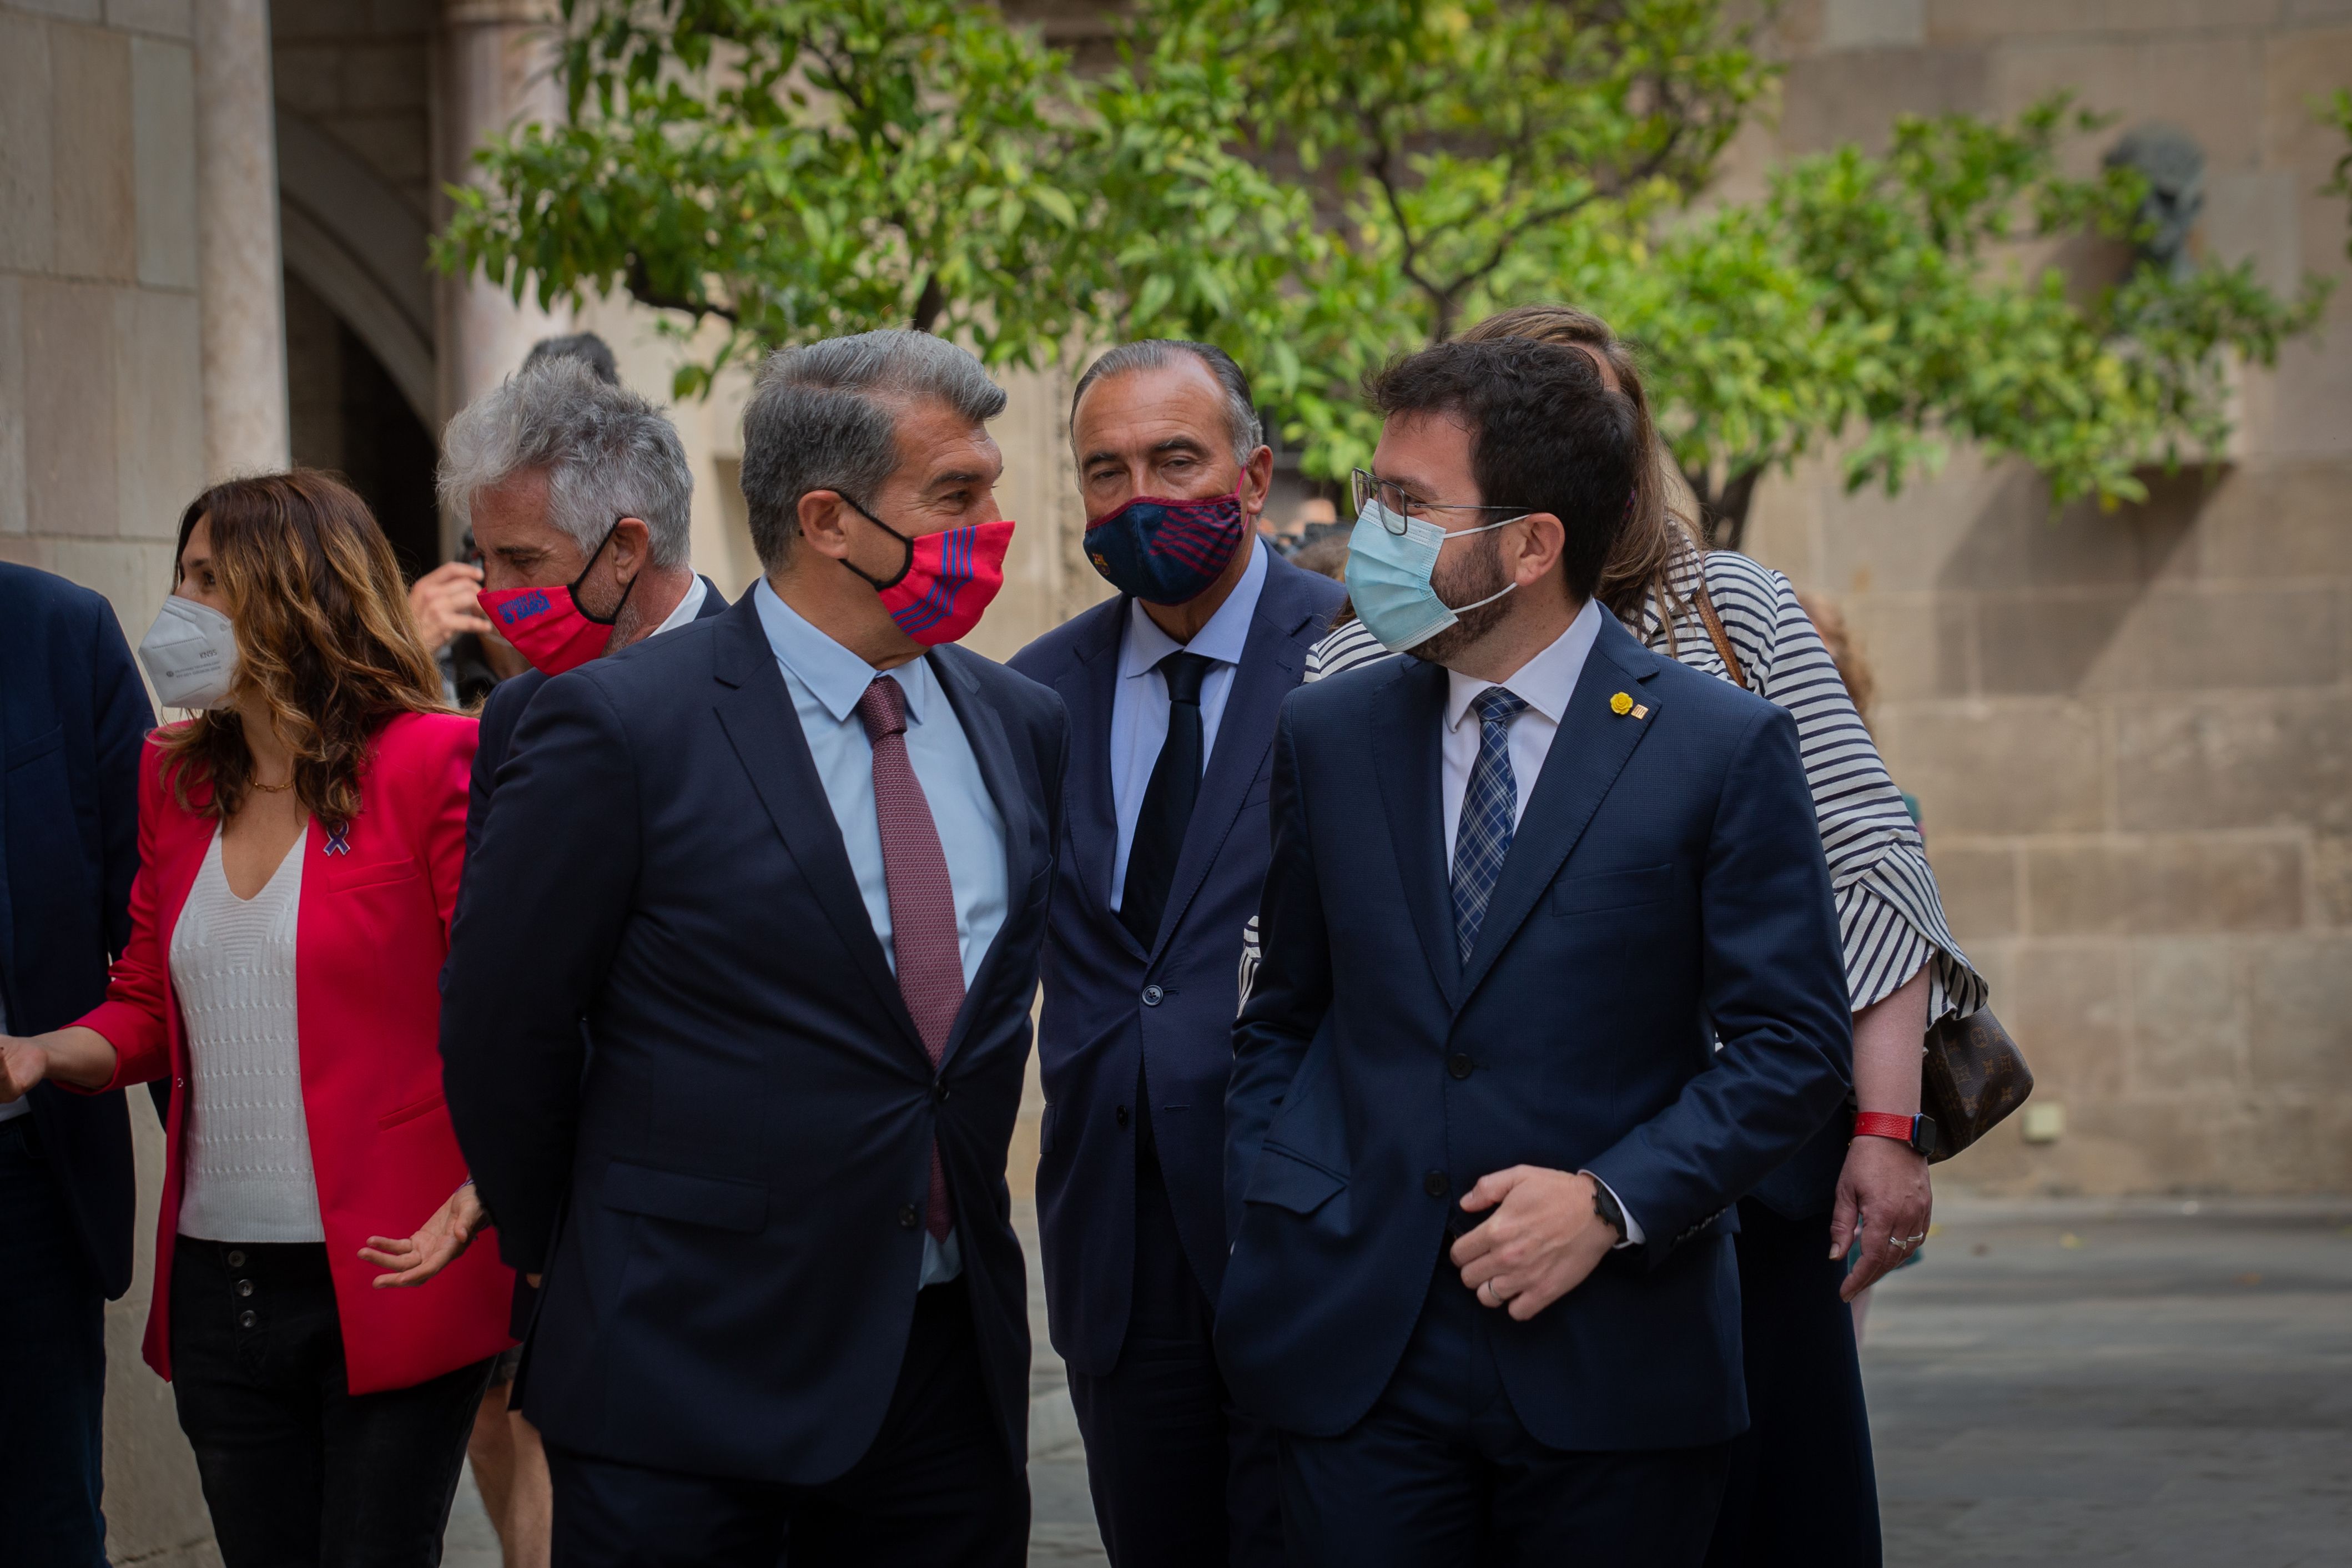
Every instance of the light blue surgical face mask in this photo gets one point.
(1388, 572)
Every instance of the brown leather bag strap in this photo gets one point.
(1716, 634)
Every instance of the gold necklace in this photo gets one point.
(273, 789)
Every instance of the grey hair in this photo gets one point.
(825, 417)
(1242, 424)
(607, 454)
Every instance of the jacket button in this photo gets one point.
(1435, 1184)
(1459, 1065)
(236, 1259)
(1153, 996)
(246, 1320)
(245, 1287)
(908, 1219)
(938, 1091)
(1119, 1115)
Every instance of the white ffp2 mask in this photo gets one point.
(190, 654)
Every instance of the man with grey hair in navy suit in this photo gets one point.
(1172, 687)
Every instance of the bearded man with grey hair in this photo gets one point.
(791, 864)
(577, 493)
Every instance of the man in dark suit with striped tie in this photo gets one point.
(1482, 1146)
(1172, 688)
(791, 864)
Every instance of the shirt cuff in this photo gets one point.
(1633, 1237)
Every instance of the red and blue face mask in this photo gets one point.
(548, 626)
(947, 580)
(1165, 550)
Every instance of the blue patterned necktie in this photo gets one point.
(1489, 804)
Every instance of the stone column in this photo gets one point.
(239, 270)
(496, 69)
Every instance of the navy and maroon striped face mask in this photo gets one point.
(1165, 550)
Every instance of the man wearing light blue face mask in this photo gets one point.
(1480, 1148)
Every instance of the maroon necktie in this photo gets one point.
(923, 899)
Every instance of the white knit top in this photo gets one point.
(246, 1172)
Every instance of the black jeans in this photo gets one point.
(52, 1368)
(935, 1490)
(297, 1470)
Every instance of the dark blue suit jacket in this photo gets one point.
(1665, 887)
(73, 715)
(726, 1198)
(503, 710)
(1109, 1005)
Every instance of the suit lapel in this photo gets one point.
(984, 731)
(1587, 755)
(1088, 690)
(1404, 758)
(755, 709)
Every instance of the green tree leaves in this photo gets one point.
(1318, 188)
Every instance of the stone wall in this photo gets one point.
(101, 443)
(2131, 733)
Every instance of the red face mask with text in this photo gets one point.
(948, 581)
(547, 625)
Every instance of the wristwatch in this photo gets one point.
(1605, 1205)
(1918, 1131)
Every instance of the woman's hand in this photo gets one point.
(1883, 1200)
(439, 1243)
(75, 1055)
(23, 1063)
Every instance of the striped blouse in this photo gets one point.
(1888, 910)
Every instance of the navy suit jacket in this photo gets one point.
(503, 709)
(1665, 887)
(725, 1196)
(73, 717)
(1109, 1005)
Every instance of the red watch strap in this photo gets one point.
(1882, 1125)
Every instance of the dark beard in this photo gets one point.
(1479, 576)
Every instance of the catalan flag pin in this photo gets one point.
(1621, 704)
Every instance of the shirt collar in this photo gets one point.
(1544, 683)
(834, 675)
(1222, 638)
(688, 608)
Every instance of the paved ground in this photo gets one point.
(2165, 1384)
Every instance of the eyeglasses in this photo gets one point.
(1399, 505)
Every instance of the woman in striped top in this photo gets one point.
(1803, 1484)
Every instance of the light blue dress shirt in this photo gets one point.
(1139, 706)
(826, 680)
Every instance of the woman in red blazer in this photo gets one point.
(300, 846)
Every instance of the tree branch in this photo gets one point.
(641, 289)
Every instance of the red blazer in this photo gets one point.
(369, 938)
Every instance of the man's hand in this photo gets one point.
(441, 1240)
(1539, 1245)
(442, 602)
(22, 1065)
(1884, 1201)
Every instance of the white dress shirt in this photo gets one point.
(1544, 683)
(826, 680)
(688, 608)
(1139, 704)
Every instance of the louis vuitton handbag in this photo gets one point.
(1972, 1074)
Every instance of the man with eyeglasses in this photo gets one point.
(1172, 688)
(1482, 1147)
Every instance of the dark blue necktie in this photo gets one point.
(1168, 800)
(1489, 802)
